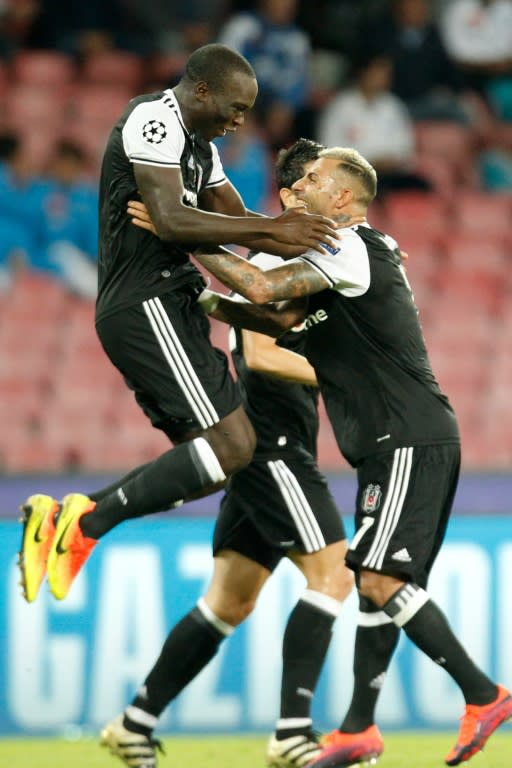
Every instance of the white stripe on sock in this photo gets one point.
(293, 722)
(209, 460)
(222, 626)
(140, 717)
(375, 619)
(324, 603)
(411, 604)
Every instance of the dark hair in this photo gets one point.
(215, 63)
(290, 162)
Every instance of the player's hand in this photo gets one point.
(294, 227)
(404, 255)
(140, 216)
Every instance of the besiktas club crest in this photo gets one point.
(370, 500)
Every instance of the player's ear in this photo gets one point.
(201, 90)
(288, 198)
(284, 195)
(344, 198)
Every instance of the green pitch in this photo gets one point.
(421, 750)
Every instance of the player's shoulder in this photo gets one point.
(377, 242)
(155, 108)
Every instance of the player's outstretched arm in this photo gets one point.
(293, 280)
(264, 355)
(163, 194)
(272, 319)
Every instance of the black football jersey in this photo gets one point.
(364, 339)
(134, 264)
(284, 415)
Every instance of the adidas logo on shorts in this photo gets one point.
(402, 556)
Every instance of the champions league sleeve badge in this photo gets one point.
(370, 500)
(154, 132)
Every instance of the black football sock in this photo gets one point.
(376, 640)
(190, 645)
(305, 645)
(108, 489)
(178, 473)
(427, 627)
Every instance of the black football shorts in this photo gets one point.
(162, 348)
(275, 506)
(404, 500)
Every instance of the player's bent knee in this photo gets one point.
(336, 584)
(236, 611)
(377, 587)
(346, 583)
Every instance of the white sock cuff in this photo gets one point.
(208, 459)
(373, 619)
(293, 722)
(140, 717)
(324, 603)
(222, 626)
(406, 603)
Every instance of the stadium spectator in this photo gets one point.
(178, 27)
(478, 37)
(48, 223)
(370, 118)
(16, 20)
(80, 29)
(70, 205)
(246, 160)
(495, 164)
(279, 52)
(21, 210)
(424, 76)
(391, 422)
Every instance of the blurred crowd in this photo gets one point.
(368, 74)
(422, 88)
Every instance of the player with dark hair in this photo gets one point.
(391, 422)
(278, 506)
(147, 315)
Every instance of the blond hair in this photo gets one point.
(356, 166)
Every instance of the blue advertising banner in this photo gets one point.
(66, 667)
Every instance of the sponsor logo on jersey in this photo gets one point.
(154, 132)
(329, 248)
(314, 319)
(190, 198)
(370, 500)
(299, 327)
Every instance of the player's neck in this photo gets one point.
(182, 96)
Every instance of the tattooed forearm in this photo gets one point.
(289, 281)
(271, 320)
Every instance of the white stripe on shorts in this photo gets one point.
(298, 506)
(180, 364)
(392, 509)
